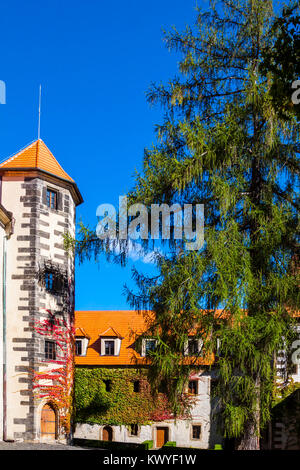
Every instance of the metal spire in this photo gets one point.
(40, 100)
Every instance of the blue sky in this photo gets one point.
(95, 61)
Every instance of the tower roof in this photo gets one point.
(36, 156)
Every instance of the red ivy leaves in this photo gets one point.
(59, 391)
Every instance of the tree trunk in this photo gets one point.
(250, 438)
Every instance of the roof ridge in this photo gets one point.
(14, 155)
(55, 159)
(37, 153)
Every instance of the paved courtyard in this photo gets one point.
(37, 446)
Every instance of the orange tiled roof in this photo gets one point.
(127, 324)
(36, 156)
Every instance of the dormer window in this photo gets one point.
(148, 345)
(109, 346)
(193, 346)
(110, 341)
(81, 342)
(78, 347)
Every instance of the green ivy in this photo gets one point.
(282, 393)
(120, 405)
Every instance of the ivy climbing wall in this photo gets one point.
(108, 396)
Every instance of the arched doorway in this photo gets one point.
(48, 422)
(107, 433)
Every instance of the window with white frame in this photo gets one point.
(110, 346)
(193, 346)
(81, 344)
(148, 345)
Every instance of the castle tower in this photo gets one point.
(38, 296)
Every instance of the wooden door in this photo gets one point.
(107, 434)
(161, 436)
(48, 422)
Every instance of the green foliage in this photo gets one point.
(281, 393)
(170, 444)
(223, 143)
(120, 405)
(148, 444)
(281, 62)
(218, 447)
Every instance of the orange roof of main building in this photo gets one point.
(36, 156)
(128, 325)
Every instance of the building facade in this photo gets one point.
(38, 304)
(113, 398)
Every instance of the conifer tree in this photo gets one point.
(282, 61)
(222, 144)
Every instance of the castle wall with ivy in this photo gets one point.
(105, 396)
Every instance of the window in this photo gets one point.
(193, 347)
(50, 352)
(51, 199)
(136, 386)
(49, 280)
(196, 432)
(109, 347)
(107, 385)
(193, 387)
(134, 430)
(162, 388)
(78, 347)
(150, 345)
